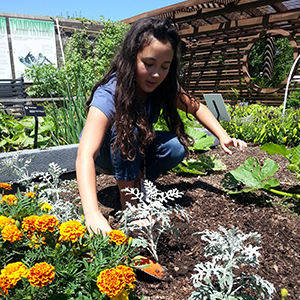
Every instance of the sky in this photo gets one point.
(115, 10)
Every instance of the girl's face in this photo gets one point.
(152, 66)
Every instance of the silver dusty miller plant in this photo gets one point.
(216, 279)
(18, 167)
(152, 206)
(47, 185)
(50, 188)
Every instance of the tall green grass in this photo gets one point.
(66, 118)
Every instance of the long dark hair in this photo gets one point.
(130, 111)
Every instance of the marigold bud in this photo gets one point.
(284, 293)
(18, 224)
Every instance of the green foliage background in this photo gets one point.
(283, 61)
(86, 60)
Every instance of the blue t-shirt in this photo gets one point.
(103, 99)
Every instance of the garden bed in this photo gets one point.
(208, 206)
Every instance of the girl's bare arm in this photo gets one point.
(207, 119)
(89, 146)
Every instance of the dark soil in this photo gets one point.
(275, 218)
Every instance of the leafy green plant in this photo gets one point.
(42, 258)
(293, 100)
(218, 279)
(292, 155)
(251, 176)
(153, 208)
(263, 124)
(49, 255)
(19, 134)
(47, 185)
(66, 122)
(45, 81)
(283, 61)
(201, 166)
(202, 140)
(90, 57)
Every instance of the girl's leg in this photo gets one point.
(127, 173)
(163, 155)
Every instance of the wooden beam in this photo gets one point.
(242, 6)
(171, 8)
(272, 18)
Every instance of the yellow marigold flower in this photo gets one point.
(46, 223)
(6, 221)
(124, 295)
(5, 186)
(11, 233)
(41, 274)
(71, 231)
(30, 194)
(28, 223)
(11, 275)
(16, 271)
(37, 241)
(117, 236)
(128, 274)
(111, 282)
(9, 199)
(46, 207)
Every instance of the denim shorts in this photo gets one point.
(162, 155)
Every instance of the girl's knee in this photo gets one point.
(178, 150)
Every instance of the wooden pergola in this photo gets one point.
(217, 38)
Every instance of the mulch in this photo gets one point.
(275, 218)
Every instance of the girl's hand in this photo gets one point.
(96, 223)
(232, 142)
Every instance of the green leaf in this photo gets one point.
(273, 149)
(190, 167)
(251, 176)
(202, 141)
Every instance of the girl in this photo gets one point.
(118, 137)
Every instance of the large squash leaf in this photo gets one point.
(251, 176)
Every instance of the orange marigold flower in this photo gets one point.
(17, 269)
(128, 274)
(28, 223)
(111, 282)
(11, 275)
(71, 231)
(9, 199)
(46, 223)
(5, 284)
(30, 194)
(117, 236)
(41, 274)
(11, 233)
(5, 186)
(6, 221)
